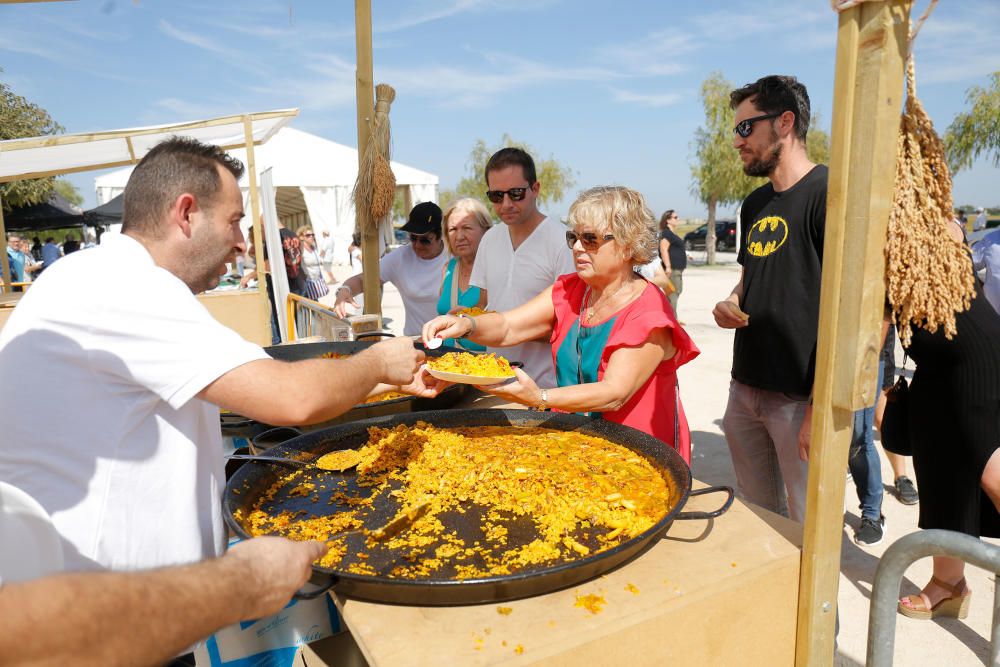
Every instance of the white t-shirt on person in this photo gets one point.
(514, 277)
(102, 426)
(419, 284)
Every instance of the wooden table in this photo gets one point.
(718, 592)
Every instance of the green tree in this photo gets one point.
(977, 130)
(20, 118)
(555, 177)
(717, 173)
(68, 191)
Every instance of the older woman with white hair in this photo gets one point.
(616, 344)
(465, 222)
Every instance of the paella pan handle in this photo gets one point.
(275, 436)
(709, 515)
(373, 334)
(313, 594)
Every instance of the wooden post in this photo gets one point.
(4, 260)
(365, 89)
(258, 229)
(868, 90)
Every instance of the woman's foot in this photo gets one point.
(938, 598)
(905, 491)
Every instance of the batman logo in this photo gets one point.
(767, 235)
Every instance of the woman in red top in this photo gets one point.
(616, 344)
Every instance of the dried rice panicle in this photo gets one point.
(928, 274)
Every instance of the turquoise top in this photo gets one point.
(578, 358)
(468, 299)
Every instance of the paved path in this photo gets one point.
(704, 390)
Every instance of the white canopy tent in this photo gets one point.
(313, 178)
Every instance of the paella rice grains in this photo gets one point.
(466, 363)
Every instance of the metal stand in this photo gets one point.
(889, 575)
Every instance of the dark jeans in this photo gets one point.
(863, 460)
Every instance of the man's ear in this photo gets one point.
(787, 122)
(181, 212)
(536, 187)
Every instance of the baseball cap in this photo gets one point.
(425, 217)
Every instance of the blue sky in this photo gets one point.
(611, 89)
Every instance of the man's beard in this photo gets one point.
(766, 165)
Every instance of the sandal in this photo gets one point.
(956, 606)
(905, 491)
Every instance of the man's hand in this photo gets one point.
(273, 568)
(728, 315)
(399, 359)
(805, 433)
(344, 297)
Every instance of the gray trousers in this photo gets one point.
(677, 280)
(762, 429)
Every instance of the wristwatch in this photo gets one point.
(472, 323)
(544, 404)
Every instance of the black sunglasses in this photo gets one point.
(423, 239)
(515, 194)
(744, 128)
(588, 240)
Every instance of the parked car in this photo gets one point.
(725, 236)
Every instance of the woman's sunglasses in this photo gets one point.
(515, 194)
(423, 239)
(744, 128)
(588, 240)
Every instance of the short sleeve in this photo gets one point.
(388, 266)
(645, 316)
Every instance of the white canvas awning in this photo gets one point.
(36, 157)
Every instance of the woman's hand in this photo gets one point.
(447, 326)
(425, 385)
(344, 296)
(521, 390)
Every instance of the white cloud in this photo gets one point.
(194, 39)
(645, 99)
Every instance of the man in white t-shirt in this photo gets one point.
(519, 259)
(113, 423)
(414, 269)
(979, 223)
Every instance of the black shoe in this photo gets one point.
(905, 491)
(870, 532)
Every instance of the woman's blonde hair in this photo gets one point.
(303, 229)
(465, 205)
(621, 212)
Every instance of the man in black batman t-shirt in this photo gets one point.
(775, 305)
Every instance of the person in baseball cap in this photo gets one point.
(415, 269)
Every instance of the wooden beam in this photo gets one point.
(4, 260)
(868, 90)
(258, 232)
(365, 89)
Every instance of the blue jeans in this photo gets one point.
(863, 460)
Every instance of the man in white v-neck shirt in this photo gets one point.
(522, 257)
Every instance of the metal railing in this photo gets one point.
(306, 318)
(889, 575)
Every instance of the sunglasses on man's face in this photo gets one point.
(515, 194)
(422, 239)
(588, 240)
(744, 128)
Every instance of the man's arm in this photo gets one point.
(145, 618)
(315, 390)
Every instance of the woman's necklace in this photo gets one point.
(604, 300)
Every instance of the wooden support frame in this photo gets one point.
(258, 232)
(8, 286)
(868, 89)
(365, 89)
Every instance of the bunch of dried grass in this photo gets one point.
(928, 274)
(376, 184)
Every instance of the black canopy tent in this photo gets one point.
(109, 213)
(55, 213)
